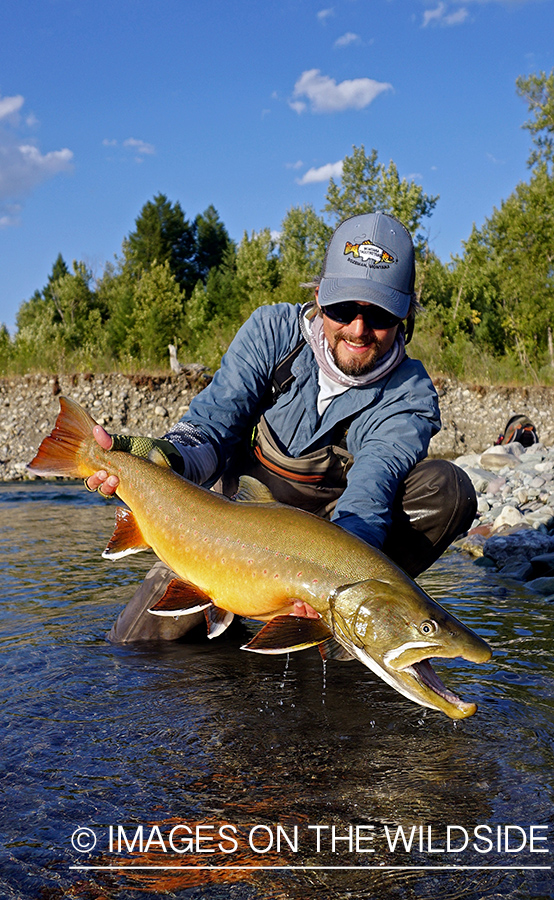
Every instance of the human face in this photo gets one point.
(357, 346)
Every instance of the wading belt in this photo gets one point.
(320, 474)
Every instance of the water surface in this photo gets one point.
(273, 765)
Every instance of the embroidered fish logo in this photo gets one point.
(369, 253)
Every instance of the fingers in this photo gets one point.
(106, 484)
(101, 481)
(305, 610)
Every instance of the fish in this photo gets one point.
(369, 252)
(259, 559)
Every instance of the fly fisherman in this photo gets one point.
(342, 417)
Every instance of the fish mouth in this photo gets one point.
(424, 673)
(411, 665)
(418, 681)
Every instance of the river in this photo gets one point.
(196, 770)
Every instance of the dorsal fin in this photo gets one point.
(127, 537)
(251, 490)
(180, 599)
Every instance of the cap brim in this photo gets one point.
(338, 290)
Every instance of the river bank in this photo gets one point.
(472, 416)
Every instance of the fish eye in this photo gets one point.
(429, 627)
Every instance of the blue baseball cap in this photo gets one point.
(370, 258)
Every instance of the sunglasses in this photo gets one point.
(373, 316)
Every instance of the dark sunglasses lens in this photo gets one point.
(373, 316)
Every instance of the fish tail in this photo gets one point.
(66, 451)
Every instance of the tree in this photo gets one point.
(538, 91)
(507, 275)
(256, 271)
(212, 242)
(302, 242)
(156, 315)
(162, 234)
(368, 186)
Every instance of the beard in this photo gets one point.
(353, 366)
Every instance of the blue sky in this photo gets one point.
(249, 106)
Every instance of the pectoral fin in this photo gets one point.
(283, 634)
(181, 599)
(250, 490)
(127, 537)
(330, 649)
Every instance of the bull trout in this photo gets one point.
(254, 557)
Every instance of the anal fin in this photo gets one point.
(284, 634)
(181, 599)
(127, 537)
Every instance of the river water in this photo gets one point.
(196, 770)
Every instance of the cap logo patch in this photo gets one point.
(369, 253)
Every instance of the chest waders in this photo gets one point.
(434, 504)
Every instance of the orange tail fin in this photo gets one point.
(63, 452)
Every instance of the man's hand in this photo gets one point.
(100, 481)
(157, 450)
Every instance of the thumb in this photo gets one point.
(102, 437)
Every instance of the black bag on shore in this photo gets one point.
(520, 429)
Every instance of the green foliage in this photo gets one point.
(6, 348)
(212, 242)
(302, 242)
(538, 91)
(163, 235)
(156, 316)
(367, 186)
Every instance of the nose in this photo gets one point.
(358, 326)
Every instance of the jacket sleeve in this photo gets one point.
(386, 442)
(224, 412)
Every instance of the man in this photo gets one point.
(343, 417)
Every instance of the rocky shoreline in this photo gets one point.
(515, 487)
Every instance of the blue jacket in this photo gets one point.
(395, 417)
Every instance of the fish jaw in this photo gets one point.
(396, 641)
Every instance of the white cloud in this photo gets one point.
(442, 16)
(324, 95)
(22, 165)
(140, 146)
(9, 214)
(295, 165)
(325, 14)
(10, 105)
(348, 38)
(323, 173)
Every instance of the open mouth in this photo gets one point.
(424, 673)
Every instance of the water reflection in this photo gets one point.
(202, 735)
